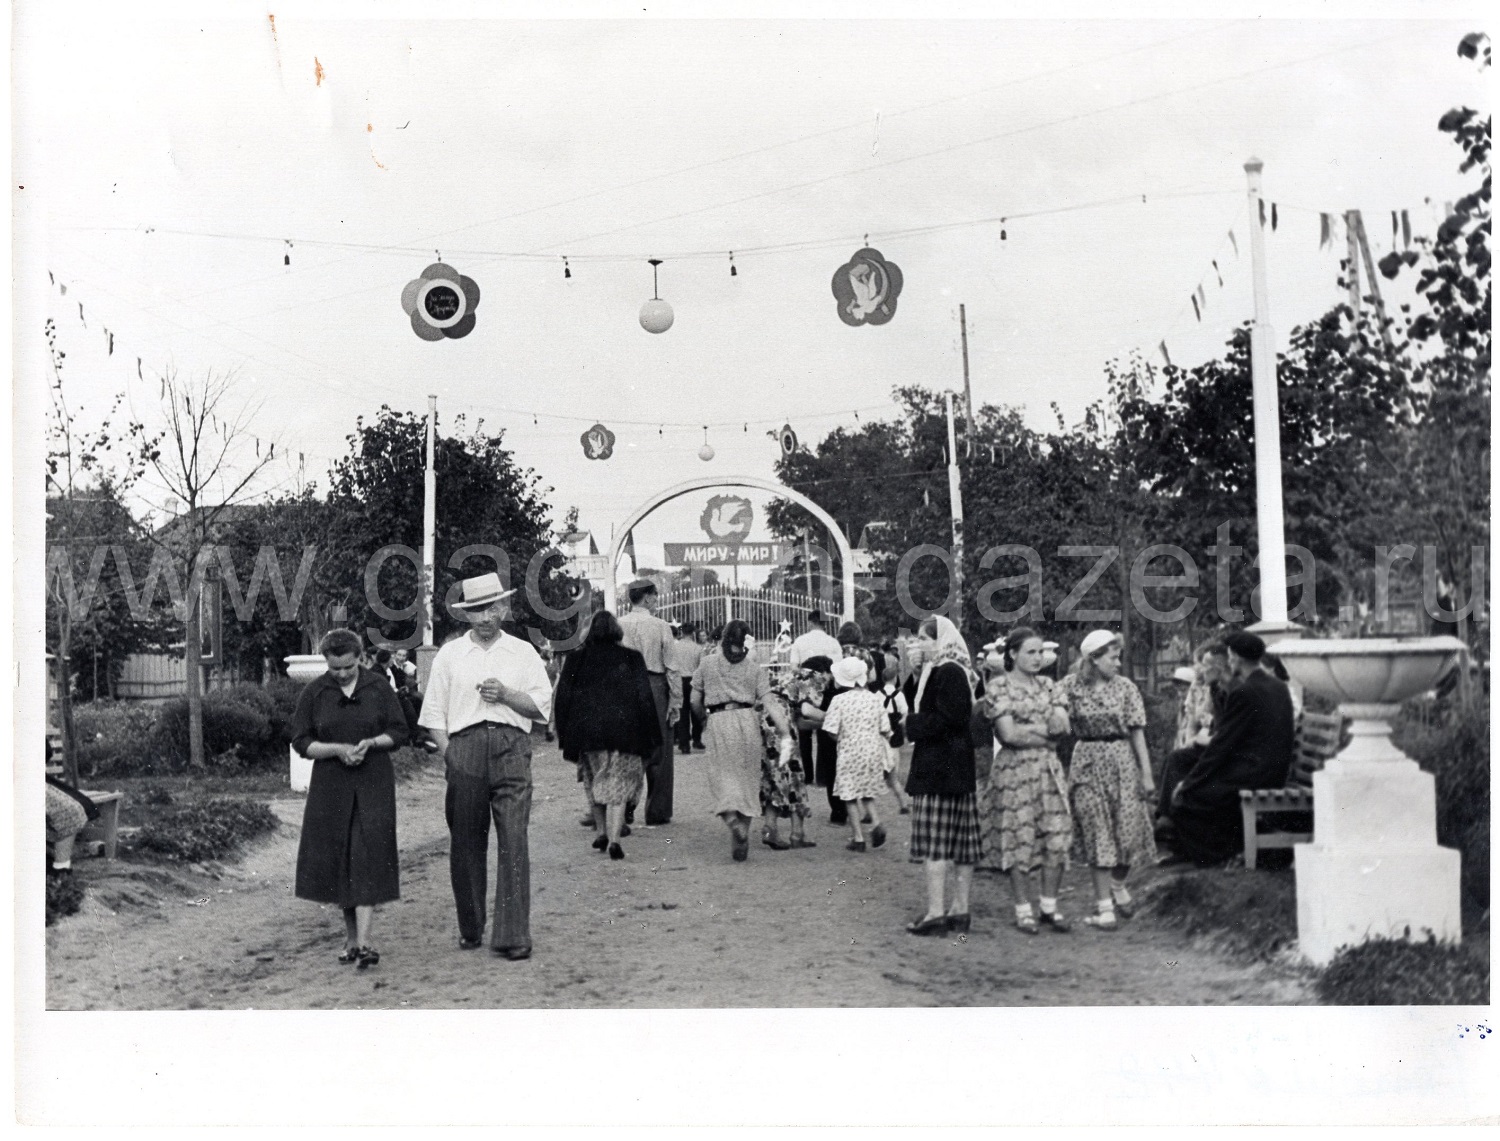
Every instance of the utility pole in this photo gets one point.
(428, 649)
(963, 336)
(956, 507)
(1364, 245)
(1269, 517)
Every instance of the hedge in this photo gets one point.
(208, 830)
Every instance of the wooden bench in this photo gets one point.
(1318, 739)
(107, 827)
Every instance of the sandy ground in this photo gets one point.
(675, 924)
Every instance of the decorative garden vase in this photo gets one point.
(303, 668)
(1374, 867)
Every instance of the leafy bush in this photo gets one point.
(1393, 972)
(208, 830)
(227, 723)
(1454, 746)
(1252, 915)
(1161, 723)
(115, 737)
(64, 897)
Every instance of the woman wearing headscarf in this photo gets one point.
(945, 822)
(348, 722)
(729, 690)
(1110, 778)
(607, 725)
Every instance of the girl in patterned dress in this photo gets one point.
(1025, 804)
(1111, 774)
(857, 718)
(782, 794)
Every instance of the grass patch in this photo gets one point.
(1249, 915)
(207, 830)
(1393, 972)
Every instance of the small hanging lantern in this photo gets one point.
(732, 271)
(706, 452)
(656, 314)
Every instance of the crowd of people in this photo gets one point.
(999, 763)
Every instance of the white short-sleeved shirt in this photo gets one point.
(452, 700)
(815, 643)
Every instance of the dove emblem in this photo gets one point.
(727, 518)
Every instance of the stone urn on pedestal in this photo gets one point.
(302, 668)
(1374, 867)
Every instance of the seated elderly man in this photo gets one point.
(1251, 747)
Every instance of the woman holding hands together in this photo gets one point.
(347, 723)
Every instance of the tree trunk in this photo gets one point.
(65, 712)
(192, 653)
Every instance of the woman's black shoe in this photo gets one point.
(601, 842)
(616, 852)
(928, 926)
(958, 921)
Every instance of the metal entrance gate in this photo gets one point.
(764, 608)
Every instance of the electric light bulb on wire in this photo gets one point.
(656, 314)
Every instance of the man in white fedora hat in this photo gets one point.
(485, 692)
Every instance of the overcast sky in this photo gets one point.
(168, 160)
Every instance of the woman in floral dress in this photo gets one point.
(1111, 781)
(857, 718)
(782, 793)
(1028, 825)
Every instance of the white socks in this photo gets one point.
(1119, 893)
(1048, 904)
(1023, 910)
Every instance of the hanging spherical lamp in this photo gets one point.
(656, 314)
(706, 452)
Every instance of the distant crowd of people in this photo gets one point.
(997, 763)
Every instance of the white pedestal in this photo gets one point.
(303, 668)
(300, 771)
(1374, 867)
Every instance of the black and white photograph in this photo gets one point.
(826, 566)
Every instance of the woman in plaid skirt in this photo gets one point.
(945, 821)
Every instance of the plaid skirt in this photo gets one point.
(945, 828)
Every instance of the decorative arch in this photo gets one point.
(704, 483)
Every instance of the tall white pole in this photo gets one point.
(429, 526)
(1269, 517)
(956, 508)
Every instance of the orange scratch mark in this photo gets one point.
(317, 71)
(272, 17)
(369, 128)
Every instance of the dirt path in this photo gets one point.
(676, 924)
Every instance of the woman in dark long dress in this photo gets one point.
(945, 818)
(607, 725)
(347, 723)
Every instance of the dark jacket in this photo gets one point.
(1252, 743)
(604, 701)
(942, 759)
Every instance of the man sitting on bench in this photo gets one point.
(1251, 747)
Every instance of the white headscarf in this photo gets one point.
(951, 647)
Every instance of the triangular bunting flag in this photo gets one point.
(50, 278)
(1325, 230)
(1263, 213)
(1395, 228)
(138, 375)
(1198, 313)
(1235, 244)
(1202, 297)
(63, 289)
(1163, 347)
(81, 321)
(111, 337)
(1273, 215)
(257, 447)
(1405, 230)
(1217, 274)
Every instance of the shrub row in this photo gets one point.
(208, 830)
(1393, 972)
(1453, 744)
(243, 726)
(64, 897)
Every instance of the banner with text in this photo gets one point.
(725, 554)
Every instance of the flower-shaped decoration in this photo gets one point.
(727, 518)
(441, 303)
(598, 443)
(866, 288)
(787, 439)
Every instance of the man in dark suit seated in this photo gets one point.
(1251, 747)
